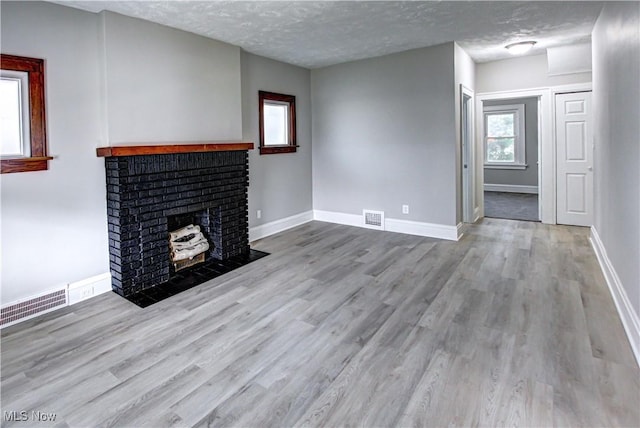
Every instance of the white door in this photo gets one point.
(574, 139)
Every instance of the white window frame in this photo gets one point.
(22, 78)
(284, 124)
(519, 137)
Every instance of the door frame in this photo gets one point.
(546, 148)
(470, 212)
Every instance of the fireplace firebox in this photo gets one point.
(152, 190)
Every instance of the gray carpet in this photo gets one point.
(514, 206)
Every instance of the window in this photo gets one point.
(14, 114)
(504, 136)
(277, 123)
(22, 115)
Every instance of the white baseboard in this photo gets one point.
(271, 228)
(431, 230)
(409, 227)
(511, 188)
(629, 317)
(476, 214)
(339, 218)
(89, 287)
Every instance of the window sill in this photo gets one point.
(494, 166)
(272, 150)
(38, 163)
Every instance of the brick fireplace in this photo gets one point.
(152, 190)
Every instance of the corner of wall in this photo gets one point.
(102, 70)
(628, 315)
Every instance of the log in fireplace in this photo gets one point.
(187, 245)
(155, 189)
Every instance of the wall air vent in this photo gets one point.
(373, 219)
(29, 308)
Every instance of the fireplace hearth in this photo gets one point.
(152, 190)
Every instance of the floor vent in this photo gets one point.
(32, 307)
(373, 219)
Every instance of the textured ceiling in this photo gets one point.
(318, 33)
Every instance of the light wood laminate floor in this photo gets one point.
(511, 326)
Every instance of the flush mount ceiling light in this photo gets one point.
(520, 47)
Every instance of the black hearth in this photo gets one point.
(151, 192)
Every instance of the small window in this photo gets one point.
(22, 115)
(277, 123)
(504, 136)
(14, 114)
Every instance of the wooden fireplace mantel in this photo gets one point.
(168, 148)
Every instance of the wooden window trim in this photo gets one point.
(38, 159)
(291, 147)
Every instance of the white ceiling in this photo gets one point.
(318, 33)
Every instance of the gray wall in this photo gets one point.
(384, 135)
(279, 185)
(164, 84)
(54, 224)
(528, 176)
(521, 73)
(108, 79)
(616, 91)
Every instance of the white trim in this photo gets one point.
(22, 79)
(531, 92)
(277, 226)
(569, 73)
(284, 124)
(431, 230)
(338, 218)
(574, 87)
(409, 227)
(476, 214)
(511, 188)
(519, 134)
(89, 287)
(629, 317)
(103, 286)
(467, 155)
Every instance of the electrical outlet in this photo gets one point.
(86, 292)
(405, 209)
(259, 214)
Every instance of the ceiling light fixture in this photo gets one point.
(520, 47)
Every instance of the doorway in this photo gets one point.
(510, 155)
(546, 149)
